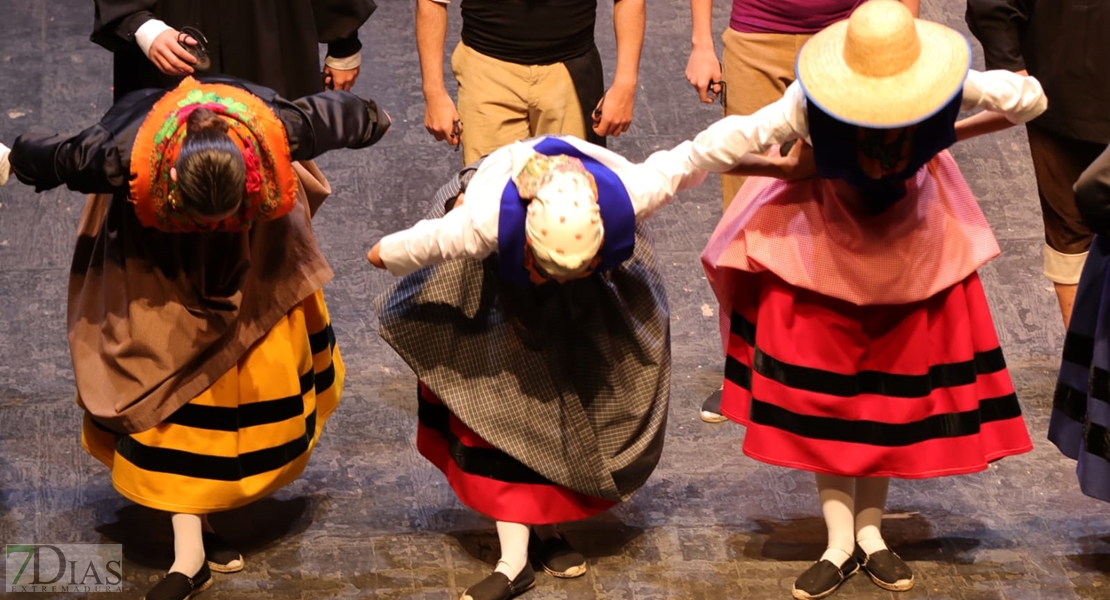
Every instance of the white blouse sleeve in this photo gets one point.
(653, 183)
(467, 231)
(719, 148)
(1020, 98)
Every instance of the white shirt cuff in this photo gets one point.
(147, 32)
(347, 63)
(5, 165)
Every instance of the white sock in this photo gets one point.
(188, 546)
(837, 504)
(870, 504)
(514, 548)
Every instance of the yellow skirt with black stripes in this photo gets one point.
(246, 436)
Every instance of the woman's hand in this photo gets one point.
(797, 164)
(375, 256)
(169, 56)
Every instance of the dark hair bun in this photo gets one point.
(203, 119)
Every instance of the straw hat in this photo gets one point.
(882, 68)
(563, 221)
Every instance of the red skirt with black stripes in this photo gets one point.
(912, 391)
(490, 481)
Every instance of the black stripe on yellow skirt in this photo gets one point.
(318, 342)
(246, 415)
(895, 385)
(483, 462)
(203, 466)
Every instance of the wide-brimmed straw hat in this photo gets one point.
(882, 68)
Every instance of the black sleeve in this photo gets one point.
(999, 26)
(337, 24)
(89, 162)
(329, 121)
(1092, 194)
(117, 20)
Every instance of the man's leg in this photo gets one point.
(1057, 163)
(553, 105)
(492, 104)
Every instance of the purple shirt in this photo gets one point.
(789, 16)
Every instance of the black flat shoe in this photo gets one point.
(219, 554)
(557, 557)
(711, 408)
(886, 569)
(498, 587)
(822, 578)
(177, 586)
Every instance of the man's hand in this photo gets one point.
(340, 79)
(440, 118)
(703, 68)
(375, 256)
(613, 114)
(169, 56)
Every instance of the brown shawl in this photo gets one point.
(155, 318)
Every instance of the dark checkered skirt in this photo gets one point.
(567, 384)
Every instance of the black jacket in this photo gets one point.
(98, 160)
(1065, 44)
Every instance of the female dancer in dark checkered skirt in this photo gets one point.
(540, 334)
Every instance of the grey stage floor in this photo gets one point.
(371, 519)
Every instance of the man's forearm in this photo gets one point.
(431, 34)
(701, 24)
(628, 26)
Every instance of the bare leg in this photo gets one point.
(1065, 293)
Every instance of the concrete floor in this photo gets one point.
(371, 519)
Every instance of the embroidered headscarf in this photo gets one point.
(271, 186)
(563, 226)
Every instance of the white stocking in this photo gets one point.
(837, 504)
(514, 548)
(188, 546)
(870, 503)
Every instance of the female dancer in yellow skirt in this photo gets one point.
(201, 345)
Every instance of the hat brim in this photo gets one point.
(905, 98)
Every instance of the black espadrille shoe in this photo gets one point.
(711, 408)
(219, 554)
(557, 557)
(886, 569)
(177, 586)
(822, 578)
(498, 587)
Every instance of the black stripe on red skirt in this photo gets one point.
(956, 424)
(483, 462)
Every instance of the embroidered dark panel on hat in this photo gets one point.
(875, 433)
(217, 468)
(322, 340)
(483, 462)
(1071, 402)
(867, 382)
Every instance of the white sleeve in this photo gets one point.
(719, 148)
(5, 166)
(654, 183)
(467, 231)
(1020, 98)
(353, 61)
(147, 32)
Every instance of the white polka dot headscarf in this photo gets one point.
(563, 223)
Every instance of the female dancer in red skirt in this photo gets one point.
(859, 341)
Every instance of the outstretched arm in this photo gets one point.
(723, 145)
(1092, 194)
(90, 162)
(1006, 99)
(467, 231)
(329, 121)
